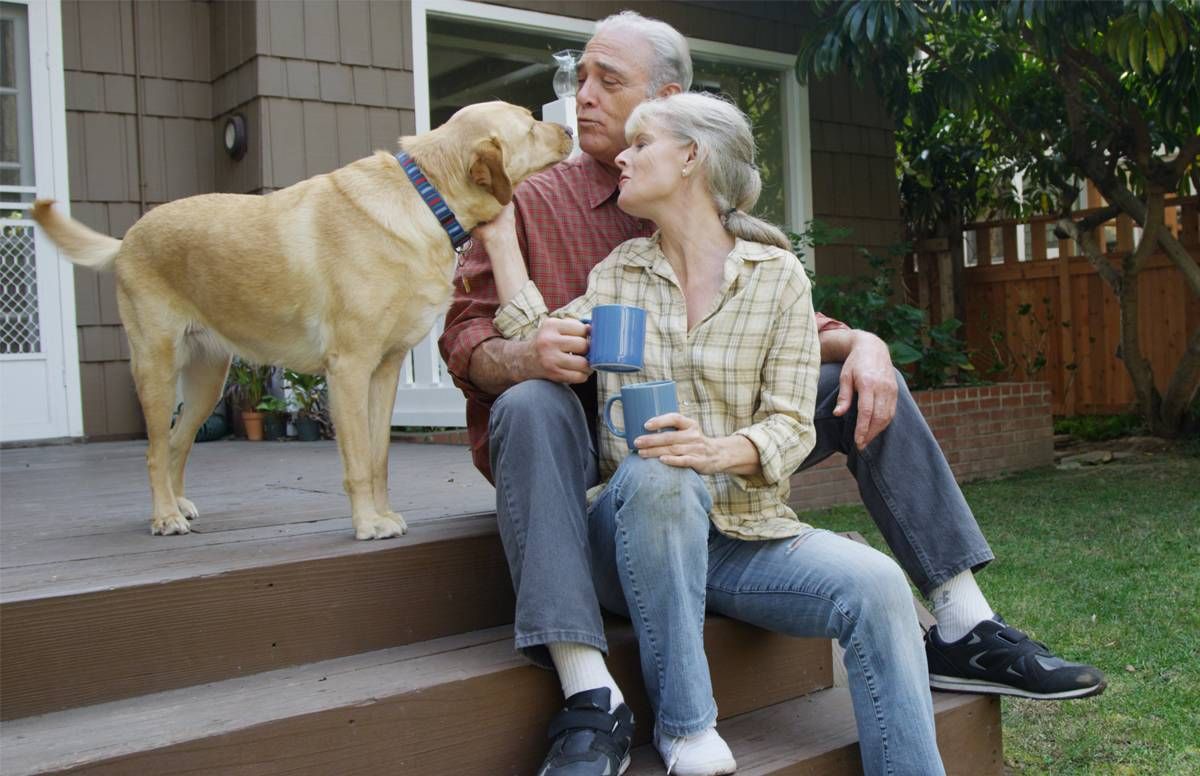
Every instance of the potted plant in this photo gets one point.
(275, 412)
(308, 393)
(248, 383)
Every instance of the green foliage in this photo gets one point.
(273, 404)
(247, 383)
(1049, 88)
(815, 234)
(1099, 428)
(1064, 93)
(309, 392)
(929, 356)
(1020, 353)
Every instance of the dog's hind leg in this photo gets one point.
(202, 378)
(382, 399)
(154, 373)
(349, 395)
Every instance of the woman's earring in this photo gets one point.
(684, 172)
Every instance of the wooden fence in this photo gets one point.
(1038, 310)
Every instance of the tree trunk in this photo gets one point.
(950, 227)
(1125, 285)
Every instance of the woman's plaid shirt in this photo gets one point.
(749, 367)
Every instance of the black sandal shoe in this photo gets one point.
(588, 739)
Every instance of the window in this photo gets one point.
(20, 329)
(16, 114)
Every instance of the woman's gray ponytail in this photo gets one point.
(725, 152)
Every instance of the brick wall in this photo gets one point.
(984, 432)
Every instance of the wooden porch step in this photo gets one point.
(459, 705)
(77, 648)
(816, 735)
(93, 608)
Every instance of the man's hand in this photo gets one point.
(558, 352)
(868, 372)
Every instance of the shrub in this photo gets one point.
(1098, 428)
(929, 356)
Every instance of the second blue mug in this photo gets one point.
(639, 403)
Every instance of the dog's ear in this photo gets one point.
(487, 170)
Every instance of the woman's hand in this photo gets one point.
(685, 447)
(499, 236)
(499, 239)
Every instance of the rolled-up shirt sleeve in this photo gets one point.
(784, 432)
(825, 323)
(520, 317)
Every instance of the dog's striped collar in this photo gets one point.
(459, 237)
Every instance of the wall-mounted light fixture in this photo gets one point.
(235, 136)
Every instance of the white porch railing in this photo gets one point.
(427, 395)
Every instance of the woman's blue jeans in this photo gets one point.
(655, 559)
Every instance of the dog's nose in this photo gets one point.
(570, 132)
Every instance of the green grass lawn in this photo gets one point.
(1103, 564)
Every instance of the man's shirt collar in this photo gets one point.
(601, 181)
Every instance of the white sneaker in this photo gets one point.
(700, 754)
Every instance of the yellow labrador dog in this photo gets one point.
(341, 274)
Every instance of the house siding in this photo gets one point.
(324, 82)
(174, 54)
(321, 83)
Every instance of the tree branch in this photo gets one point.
(1184, 383)
(1116, 193)
(1187, 155)
(1150, 231)
(1181, 258)
(1091, 250)
(1088, 223)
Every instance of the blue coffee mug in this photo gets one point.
(618, 338)
(639, 403)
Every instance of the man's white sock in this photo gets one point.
(581, 667)
(959, 605)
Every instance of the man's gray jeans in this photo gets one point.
(544, 460)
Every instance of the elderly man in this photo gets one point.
(531, 415)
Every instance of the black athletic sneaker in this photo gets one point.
(996, 659)
(588, 739)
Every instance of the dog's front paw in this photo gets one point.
(187, 508)
(399, 519)
(165, 525)
(379, 527)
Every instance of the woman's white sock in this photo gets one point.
(581, 667)
(959, 605)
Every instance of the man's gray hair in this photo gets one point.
(724, 154)
(672, 57)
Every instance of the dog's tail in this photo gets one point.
(81, 245)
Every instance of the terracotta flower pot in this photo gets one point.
(254, 425)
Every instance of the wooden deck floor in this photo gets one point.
(76, 518)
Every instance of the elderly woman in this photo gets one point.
(697, 517)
